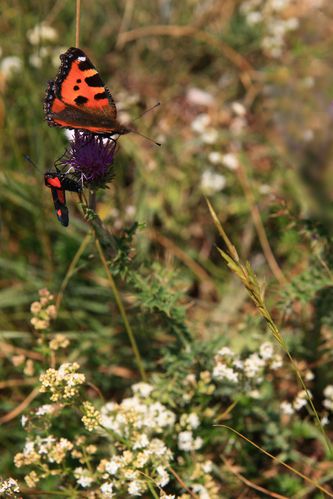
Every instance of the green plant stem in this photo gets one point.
(122, 311)
(152, 490)
(290, 468)
(71, 269)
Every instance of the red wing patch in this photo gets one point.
(77, 98)
(59, 183)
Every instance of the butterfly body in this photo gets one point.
(78, 99)
(59, 183)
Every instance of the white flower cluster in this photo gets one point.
(9, 488)
(201, 125)
(297, 404)
(41, 33)
(328, 401)
(64, 383)
(43, 311)
(230, 367)
(138, 420)
(270, 14)
(212, 181)
(43, 450)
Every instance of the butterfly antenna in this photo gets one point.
(147, 110)
(145, 137)
(27, 158)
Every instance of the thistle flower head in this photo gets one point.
(90, 157)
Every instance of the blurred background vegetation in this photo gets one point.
(245, 118)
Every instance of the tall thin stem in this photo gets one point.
(71, 269)
(77, 23)
(277, 460)
(122, 311)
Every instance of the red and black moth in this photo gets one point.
(59, 183)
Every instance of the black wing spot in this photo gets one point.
(78, 80)
(100, 96)
(84, 65)
(94, 81)
(80, 99)
(76, 87)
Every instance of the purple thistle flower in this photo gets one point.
(90, 157)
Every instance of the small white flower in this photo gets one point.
(207, 467)
(185, 440)
(212, 182)
(328, 404)
(279, 4)
(142, 389)
(107, 490)
(41, 32)
(85, 481)
(254, 18)
(29, 447)
(201, 491)
(200, 123)
(266, 350)
(265, 189)
(225, 352)
(215, 157)
(9, 487)
(210, 136)
(199, 97)
(255, 394)
(44, 409)
(253, 365)
(157, 447)
(328, 391)
(238, 108)
(230, 161)
(141, 442)
(136, 488)
(286, 408)
(309, 376)
(301, 400)
(163, 477)
(193, 420)
(221, 371)
(187, 443)
(276, 363)
(9, 65)
(238, 364)
(324, 420)
(83, 477)
(24, 420)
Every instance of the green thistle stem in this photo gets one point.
(122, 311)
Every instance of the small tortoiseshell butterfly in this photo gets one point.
(77, 98)
(59, 183)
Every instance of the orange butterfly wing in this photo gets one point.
(77, 98)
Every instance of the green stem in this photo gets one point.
(122, 311)
(152, 490)
(71, 269)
